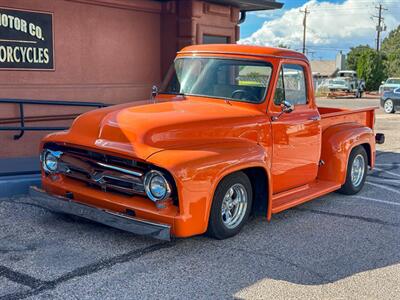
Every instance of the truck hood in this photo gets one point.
(140, 131)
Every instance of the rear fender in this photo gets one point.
(337, 143)
(197, 172)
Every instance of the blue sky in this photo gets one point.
(333, 25)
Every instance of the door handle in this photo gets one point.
(314, 118)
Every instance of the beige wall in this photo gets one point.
(109, 51)
(187, 21)
(104, 53)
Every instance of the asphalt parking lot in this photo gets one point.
(333, 247)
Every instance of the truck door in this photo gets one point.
(297, 135)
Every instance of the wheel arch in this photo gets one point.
(260, 180)
(337, 144)
(259, 183)
(199, 171)
(368, 149)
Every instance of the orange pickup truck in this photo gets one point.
(234, 130)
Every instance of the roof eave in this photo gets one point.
(250, 5)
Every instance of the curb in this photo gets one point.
(17, 185)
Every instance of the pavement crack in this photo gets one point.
(108, 263)
(21, 278)
(353, 217)
(42, 286)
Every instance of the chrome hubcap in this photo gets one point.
(388, 105)
(234, 206)
(357, 170)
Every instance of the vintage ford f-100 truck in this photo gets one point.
(233, 131)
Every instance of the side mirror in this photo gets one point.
(154, 91)
(286, 108)
(383, 82)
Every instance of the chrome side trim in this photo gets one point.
(103, 216)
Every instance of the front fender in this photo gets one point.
(337, 143)
(197, 170)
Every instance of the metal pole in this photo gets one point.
(378, 29)
(22, 121)
(306, 12)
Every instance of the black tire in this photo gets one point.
(349, 187)
(216, 227)
(392, 111)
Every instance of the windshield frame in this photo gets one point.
(171, 72)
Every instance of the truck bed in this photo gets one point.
(333, 116)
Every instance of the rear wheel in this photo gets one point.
(388, 106)
(357, 168)
(231, 206)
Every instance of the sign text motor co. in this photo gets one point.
(26, 40)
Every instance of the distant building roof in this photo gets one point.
(324, 68)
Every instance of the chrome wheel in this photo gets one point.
(388, 106)
(357, 170)
(234, 206)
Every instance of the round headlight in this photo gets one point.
(156, 186)
(50, 161)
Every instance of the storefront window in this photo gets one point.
(214, 39)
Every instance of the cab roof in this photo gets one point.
(243, 50)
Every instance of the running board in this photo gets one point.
(294, 197)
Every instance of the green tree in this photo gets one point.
(391, 50)
(368, 64)
(354, 55)
(370, 67)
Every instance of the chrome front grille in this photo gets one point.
(104, 172)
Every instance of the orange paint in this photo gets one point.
(200, 140)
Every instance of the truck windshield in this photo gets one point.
(240, 80)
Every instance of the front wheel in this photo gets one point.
(357, 169)
(231, 206)
(388, 106)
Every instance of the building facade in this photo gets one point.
(110, 51)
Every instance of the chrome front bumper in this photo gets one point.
(106, 217)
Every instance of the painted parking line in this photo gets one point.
(383, 187)
(388, 172)
(377, 200)
(384, 180)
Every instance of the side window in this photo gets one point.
(291, 85)
(280, 90)
(295, 84)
